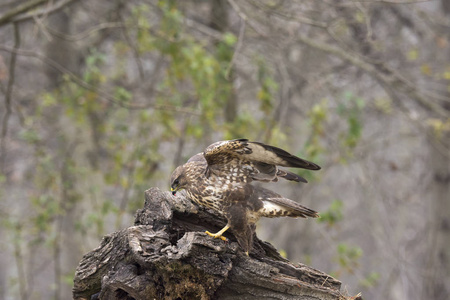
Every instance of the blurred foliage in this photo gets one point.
(109, 140)
(333, 215)
(318, 116)
(370, 280)
(439, 127)
(347, 257)
(101, 142)
(351, 109)
(268, 87)
(384, 105)
(313, 148)
(283, 253)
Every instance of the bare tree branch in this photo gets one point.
(381, 72)
(352, 2)
(244, 17)
(133, 48)
(102, 94)
(86, 33)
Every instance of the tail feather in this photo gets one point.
(283, 207)
(275, 205)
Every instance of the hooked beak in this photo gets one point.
(173, 191)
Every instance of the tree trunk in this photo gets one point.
(167, 255)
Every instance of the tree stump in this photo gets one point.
(167, 255)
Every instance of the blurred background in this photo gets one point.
(101, 100)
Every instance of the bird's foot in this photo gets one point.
(216, 235)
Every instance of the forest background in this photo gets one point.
(101, 100)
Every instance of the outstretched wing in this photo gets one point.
(244, 161)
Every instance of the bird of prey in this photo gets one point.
(220, 178)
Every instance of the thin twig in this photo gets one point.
(43, 28)
(8, 96)
(43, 11)
(244, 17)
(134, 50)
(363, 10)
(130, 173)
(236, 51)
(11, 2)
(394, 2)
(108, 25)
(8, 17)
(294, 16)
(203, 29)
(18, 255)
(57, 257)
(86, 33)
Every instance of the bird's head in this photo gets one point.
(178, 180)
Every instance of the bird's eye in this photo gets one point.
(176, 182)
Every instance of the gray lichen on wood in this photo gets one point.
(167, 255)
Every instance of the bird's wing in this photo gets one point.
(253, 161)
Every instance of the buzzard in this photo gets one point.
(220, 178)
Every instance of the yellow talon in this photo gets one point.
(219, 233)
(216, 235)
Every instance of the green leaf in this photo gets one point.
(229, 39)
(334, 214)
(370, 280)
(413, 54)
(29, 135)
(122, 94)
(348, 256)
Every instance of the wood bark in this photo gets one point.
(167, 255)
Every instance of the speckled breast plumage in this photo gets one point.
(204, 191)
(206, 199)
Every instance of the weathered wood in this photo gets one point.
(167, 255)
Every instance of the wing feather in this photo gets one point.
(290, 176)
(276, 156)
(255, 161)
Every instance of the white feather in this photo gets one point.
(270, 206)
